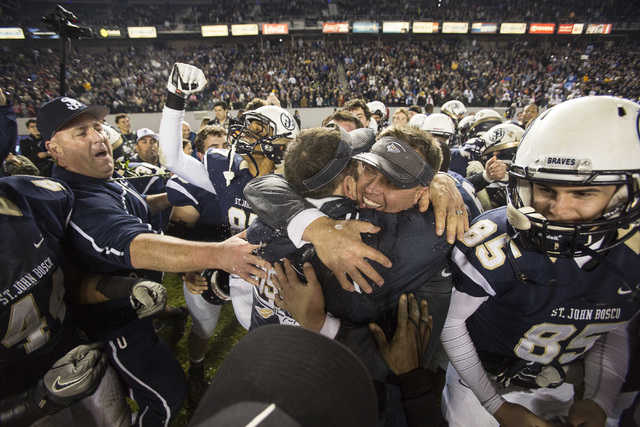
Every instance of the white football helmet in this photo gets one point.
(484, 120)
(268, 127)
(503, 140)
(587, 141)
(454, 109)
(113, 136)
(417, 120)
(377, 107)
(440, 125)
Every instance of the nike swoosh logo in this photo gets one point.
(59, 385)
(624, 291)
(37, 245)
(446, 273)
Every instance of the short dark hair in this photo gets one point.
(343, 116)
(428, 109)
(354, 104)
(222, 104)
(204, 133)
(420, 140)
(121, 116)
(185, 142)
(416, 109)
(30, 121)
(309, 153)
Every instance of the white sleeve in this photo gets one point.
(605, 367)
(299, 223)
(331, 326)
(172, 156)
(457, 343)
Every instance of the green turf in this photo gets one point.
(227, 335)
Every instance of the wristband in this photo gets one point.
(175, 102)
(114, 287)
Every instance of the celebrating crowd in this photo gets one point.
(326, 75)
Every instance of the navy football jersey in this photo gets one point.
(541, 309)
(33, 217)
(211, 226)
(468, 193)
(233, 205)
(408, 238)
(459, 161)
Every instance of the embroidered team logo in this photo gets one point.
(497, 135)
(71, 103)
(393, 147)
(287, 121)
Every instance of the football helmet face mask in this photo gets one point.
(587, 141)
(501, 140)
(454, 109)
(441, 125)
(265, 131)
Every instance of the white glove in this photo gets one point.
(186, 79)
(474, 167)
(148, 298)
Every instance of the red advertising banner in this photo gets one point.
(335, 27)
(542, 28)
(570, 28)
(281, 28)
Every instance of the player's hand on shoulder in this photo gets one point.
(148, 297)
(186, 79)
(73, 377)
(514, 415)
(304, 302)
(448, 207)
(237, 257)
(586, 413)
(339, 246)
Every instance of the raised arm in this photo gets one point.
(184, 80)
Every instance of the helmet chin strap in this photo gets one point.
(229, 174)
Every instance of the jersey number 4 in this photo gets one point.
(25, 323)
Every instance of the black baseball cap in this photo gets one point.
(286, 376)
(59, 111)
(399, 162)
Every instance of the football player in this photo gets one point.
(545, 286)
(488, 173)
(454, 109)
(256, 148)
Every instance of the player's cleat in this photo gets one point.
(197, 382)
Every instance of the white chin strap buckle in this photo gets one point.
(228, 176)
